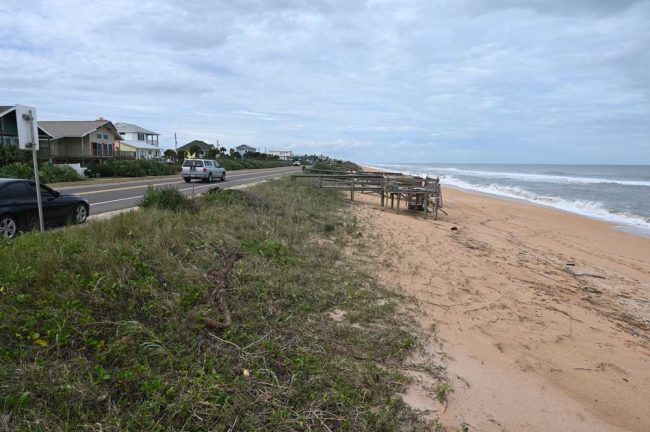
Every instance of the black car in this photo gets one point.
(19, 207)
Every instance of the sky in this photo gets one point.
(456, 81)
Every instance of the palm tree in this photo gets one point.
(170, 154)
(195, 149)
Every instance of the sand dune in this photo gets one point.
(542, 318)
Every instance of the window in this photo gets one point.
(104, 149)
(97, 151)
(105, 136)
(99, 136)
(15, 190)
(46, 192)
(140, 137)
(16, 141)
(110, 150)
(208, 163)
(122, 133)
(193, 163)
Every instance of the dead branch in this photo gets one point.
(221, 281)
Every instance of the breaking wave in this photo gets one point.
(530, 177)
(591, 209)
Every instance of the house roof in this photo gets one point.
(129, 127)
(202, 144)
(4, 109)
(78, 129)
(245, 147)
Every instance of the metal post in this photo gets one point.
(41, 222)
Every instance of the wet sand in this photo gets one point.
(541, 318)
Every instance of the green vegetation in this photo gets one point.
(213, 320)
(48, 173)
(443, 390)
(166, 198)
(10, 154)
(133, 168)
(336, 165)
(238, 164)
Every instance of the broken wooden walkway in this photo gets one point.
(417, 193)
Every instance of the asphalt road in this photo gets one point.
(118, 196)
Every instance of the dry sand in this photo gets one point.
(542, 318)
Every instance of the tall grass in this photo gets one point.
(102, 327)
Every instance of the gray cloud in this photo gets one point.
(384, 79)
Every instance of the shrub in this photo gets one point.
(135, 168)
(58, 173)
(49, 173)
(10, 154)
(238, 164)
(166, 198)
(17, 170)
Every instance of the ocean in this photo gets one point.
(619, 194)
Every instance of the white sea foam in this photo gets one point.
(529, 177)
(591, 209)
(587, 208)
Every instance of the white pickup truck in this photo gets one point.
(204, 169)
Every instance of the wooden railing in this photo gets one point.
(418, 193)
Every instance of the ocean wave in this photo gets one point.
(591, 209)
(528, 177)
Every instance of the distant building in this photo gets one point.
(282, 154)
(133, 138)
(204, 146)
(80, 141)
(243, 149)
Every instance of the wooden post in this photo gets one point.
(382, 197)
(352, 190)
(392, 200)
(399, 198)
(426, 204)
(320, 179)
(435, 209)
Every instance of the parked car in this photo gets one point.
(19, 207)
(296, 163)
(203, 169)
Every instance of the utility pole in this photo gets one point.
(175, 143)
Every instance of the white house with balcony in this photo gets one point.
(143, 142)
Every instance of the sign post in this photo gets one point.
(28, 140)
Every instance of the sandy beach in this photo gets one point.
(541, 318)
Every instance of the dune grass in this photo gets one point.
(103, 327)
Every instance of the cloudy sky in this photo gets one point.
(531, 81)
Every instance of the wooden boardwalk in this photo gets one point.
(417, 193)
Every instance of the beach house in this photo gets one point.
(83, 142)
(243, 149)
(133, 138)
(202, 145)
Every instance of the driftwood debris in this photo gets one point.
(221, 281)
